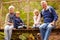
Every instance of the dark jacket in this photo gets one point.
(49, 16)
(17, 22)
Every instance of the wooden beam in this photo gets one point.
(30, 0)
(11, 2)
(31, 30)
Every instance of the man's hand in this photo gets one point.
(53, 23)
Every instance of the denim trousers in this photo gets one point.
(8, 32)
(45, 30)
(36, 26)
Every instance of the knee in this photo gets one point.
(6, 28)
(11, 27)
(50, 26)
(40, 27)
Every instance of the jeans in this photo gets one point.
(20, 27)
(8, 32)
(45, 30)
(36, 26)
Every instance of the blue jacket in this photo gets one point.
(49, 15)
(17, 22)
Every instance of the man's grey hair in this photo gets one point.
(43, 2)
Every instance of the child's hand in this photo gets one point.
(14, 28)
(21, 23)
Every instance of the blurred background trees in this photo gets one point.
(26, 7)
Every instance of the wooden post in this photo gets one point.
(0, 12)
(28, 13)
(27, 19)
(27, 9)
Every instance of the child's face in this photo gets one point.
(17, 15)
(36, 13)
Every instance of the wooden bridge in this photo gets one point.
(18, 32)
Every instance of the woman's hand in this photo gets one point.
(9, 23)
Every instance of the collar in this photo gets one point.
(47, 8)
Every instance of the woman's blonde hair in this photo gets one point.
(35, 11)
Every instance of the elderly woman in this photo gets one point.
(36, 19)
(9, 23)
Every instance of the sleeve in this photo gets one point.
(38, 20)
(21, 21)
(14, 23)
(34, 20)
(7, 18)
(54, 14)
(41, 14)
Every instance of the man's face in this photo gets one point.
(11, 10)
(44, 5)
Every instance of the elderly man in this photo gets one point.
(50, 17)
(9, 23)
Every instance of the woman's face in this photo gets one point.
(36, 13)
(11, 10)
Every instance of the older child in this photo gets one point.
(18, 23)
(36, 18)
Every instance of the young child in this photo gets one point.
(18, 23)
(36, 18)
